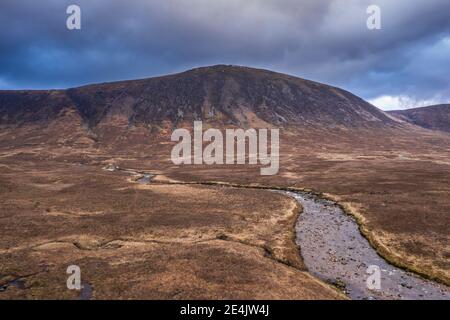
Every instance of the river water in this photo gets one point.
(334, 250)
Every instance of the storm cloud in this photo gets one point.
(404, 64)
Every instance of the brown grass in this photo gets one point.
(59, 208)
(146, 242)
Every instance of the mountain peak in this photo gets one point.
(221, 94)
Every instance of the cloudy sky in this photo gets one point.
(405, 64)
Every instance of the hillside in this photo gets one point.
(225, 95)
(435, 117)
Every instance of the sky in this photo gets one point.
(404, 64)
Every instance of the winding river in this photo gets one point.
(334, 250)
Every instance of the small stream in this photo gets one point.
(334, 250)
(145, 179)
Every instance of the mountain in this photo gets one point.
(224, 95)
(435, 117)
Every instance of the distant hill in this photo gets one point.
(433, 117)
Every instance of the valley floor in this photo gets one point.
(59, 208)
(145, 242)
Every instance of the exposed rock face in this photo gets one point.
(220, 94)
(433, 117)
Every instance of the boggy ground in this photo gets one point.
(60, 208)
(143, 241)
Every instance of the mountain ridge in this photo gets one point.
(221, 94)
(435, 117)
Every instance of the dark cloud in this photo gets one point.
(323, 40)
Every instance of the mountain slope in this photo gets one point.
(220, 94)
(435, 117)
